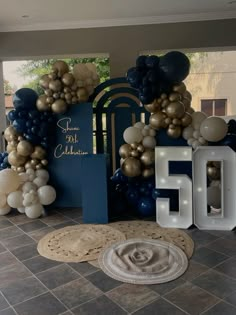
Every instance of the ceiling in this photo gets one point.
(26, 15)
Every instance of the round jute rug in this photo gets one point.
(78, 243)
(143, 261)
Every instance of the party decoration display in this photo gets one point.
(4, 161)
(63, 88)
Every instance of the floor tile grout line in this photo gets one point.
(165, 299)
(214, 251)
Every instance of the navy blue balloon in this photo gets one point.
(36, 121)
(22, 114)
(152, 61)
(34, 114)
(175, 65)
(29, 123)
(34, 130)
(132, 196)
(155, 193)
(141, 61)
(119, 177)
(229, 140)
(25, 98)
(146, 206)
(34, 139)
(134, 78)
(20, 125)
(12, 115)
(232, 126)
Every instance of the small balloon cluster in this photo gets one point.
(137, 155)
(28, 192)
(62, 88)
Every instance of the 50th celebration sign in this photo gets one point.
(73, 140)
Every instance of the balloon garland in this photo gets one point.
(30, 134)
(163, 94)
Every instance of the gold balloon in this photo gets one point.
(25, 148)
(15, 159)
(176, 121)
(34, 162)
(39, 153)
(44, 81)
(52, 76)
(213, 172)
(28, 165)
(39, 166)
(186, 120)
(174, 97)
(20, 169)
(134, 145)
(74, 87)
(73, 93)
(20, 138)
(131, 167)
(125, 150)
(48, 92)
(217, 164)
(134, 153)
(140, 148)
(74, 100)
(68, 97)
(68, 79)
(49, 100)
(10, 147)
(190, 110)
(10, 133)
(175, 110)
(121, 161)
(148, 158)
(157, 120)
(168, 121)
(60, 67)
(174, 133)
(187, 95)
(62, 95)
(42, 104)
(180, 88)
(66, 90)
(163, 96)
(186, 102)
(147, 172)
(82, 95)
(55, 85)
(56, 95)
(153, 107)
(59, 106)
(44, 162)
(165, 103)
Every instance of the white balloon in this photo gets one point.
(15, 199)
(187, 132)
(34, 211)
(214, 196)
(139, 125)
(195, 144)
(145, 132)
(39, 181)
(5, 210)
(30, 171)
(190, 141)
(43, 174)
(9, 181)
(197, 119)
(46, 194)
(152, 132)
(196, 134)
(202, 140)
(149, 142)
(28, 186)
(3, 200)
(21, 209)
(214, 129)
(24, 177)
(132, 134)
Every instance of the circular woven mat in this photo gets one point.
(78, 243)
(143, 261)
(151, 230)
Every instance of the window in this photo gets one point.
(217, 107)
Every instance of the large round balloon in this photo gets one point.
(46, 194)
(9, 181)
(131, 167)
(175, 65)
(132, 134)
(146, 206)
(25, 98)
(213, 129)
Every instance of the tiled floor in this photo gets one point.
(33, 285)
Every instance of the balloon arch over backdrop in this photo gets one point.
(159, 82)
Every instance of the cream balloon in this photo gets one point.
(34, 211)
(3, 200)
(47, 195)
(139, 125)
(21, 209)
(197, 119)
(15, 199)
(214, 196)
(149, 142)
(28, 186)
(187, 132)
(132, 134)
(5, 210)
(43, 174)
(9, 181)
(214, 129)
(39, 181)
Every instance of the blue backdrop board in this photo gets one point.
(73, 140)
(94, 188)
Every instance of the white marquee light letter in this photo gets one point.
(183, 183)
(226, 219)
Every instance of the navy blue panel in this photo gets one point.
(164, 140)
(179, 167)
(94, 189)
(73, 138)
(173, 195)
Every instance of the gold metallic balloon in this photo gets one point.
(131, 167)
(148, 158)
(68, 79)
(49, 100)
(10, 148)
(140, 148)
(217, 164)
(44, 81)
(147, 172)
(62, 95)
(134, 145)
(190, 110)
(163, 96)
(153, 107)
(176, 121)
(55, 85)
(66, 90)
(187, 95)
(20, 169)
(73, 93)
(174, 133)
(34, 162)
(74, 87)
(48, 92)
(60, 67)
(52, 75)
(175, 110)
(213, 172)
(82, 95)
(157, 120)
(44, 162)
(56, 96)
(25, 148)
(173, 97)
(186, 102)
(39, 153)
(172, 126)
(125, 150)
(59, 106)
(10, 133)
(28, 165)
(39, 166)
(74, 100)
(165, 103)
(180, 88)
(42, 104)
(135, 153)
(168, 121)
(186, 120)
(121, 161)
(68, 97)
(15, 159)
(20, 138)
